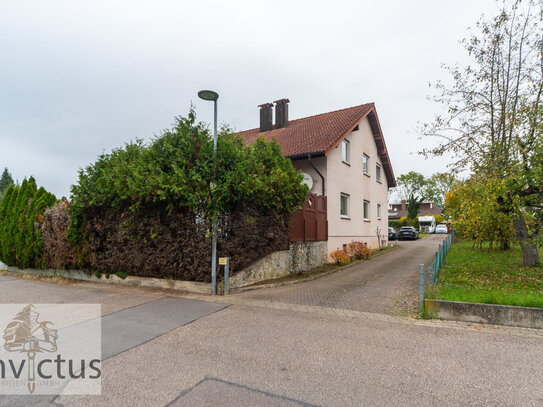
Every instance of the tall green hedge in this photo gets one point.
(147, 209)
(21, 214)
(177, 169)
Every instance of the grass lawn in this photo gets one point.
(472, 275)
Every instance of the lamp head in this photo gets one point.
(208, 95)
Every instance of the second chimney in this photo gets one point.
(266, 116)
(281, 113)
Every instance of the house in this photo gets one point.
(396, 211)
(343, 155)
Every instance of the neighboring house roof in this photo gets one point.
(321, 133)
(397, 214)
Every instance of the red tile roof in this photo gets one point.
(398, 214)
(323, 132)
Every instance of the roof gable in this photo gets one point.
(323, 132)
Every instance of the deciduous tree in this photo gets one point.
(493, 125)
(411, 187)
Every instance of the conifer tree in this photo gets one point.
(21, 215)
(5, 181)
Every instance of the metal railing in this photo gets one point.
(439, 258)
(433, 269)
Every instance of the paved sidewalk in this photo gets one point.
(131, 318)
(387, 284)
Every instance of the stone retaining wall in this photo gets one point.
(526, 317)
(301, 256)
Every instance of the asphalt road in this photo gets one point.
(249, 356)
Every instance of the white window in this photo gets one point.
(378, 173)
(344, 205)
(378, 211)
(366, 210)
(366, 164)
(345, 153)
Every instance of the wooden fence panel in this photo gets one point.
(309, 223)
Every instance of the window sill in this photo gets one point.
(367, 220)
(345, 217)
(366, 174)
(378, 181)
(345, 162)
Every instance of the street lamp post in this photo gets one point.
(213, 96)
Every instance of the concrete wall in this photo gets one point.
(350, 179)
(190, 286)
(526, 317)
(301, 256)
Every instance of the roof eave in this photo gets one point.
(378, 137)
(313, 154)
(382, 150)
(350, 129)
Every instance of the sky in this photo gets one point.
(80, 78)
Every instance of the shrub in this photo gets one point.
(148, 209)
(58, 252)
(414, 223)
(339, 256)
(21, 217)
(120, 274)
(394, 224)
(358, 250)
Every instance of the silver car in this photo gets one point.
(442, 229)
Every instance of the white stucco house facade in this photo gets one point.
(345, 158)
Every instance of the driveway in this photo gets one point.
(387, 284)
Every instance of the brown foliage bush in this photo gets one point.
(339, 256)
(358, 250)
(151, 243)
(58, 252)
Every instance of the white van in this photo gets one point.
(427, 224)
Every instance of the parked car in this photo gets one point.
(392, 234)
(442, 229)
(408, 233)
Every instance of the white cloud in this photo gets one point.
(78, 78)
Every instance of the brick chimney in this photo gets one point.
(404, 204)
(266, 116)
(281, 113)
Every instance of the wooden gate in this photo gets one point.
(310, 222)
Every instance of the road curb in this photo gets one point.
(133, 281)
(495, 314)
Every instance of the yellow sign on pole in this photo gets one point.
(223, 261)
